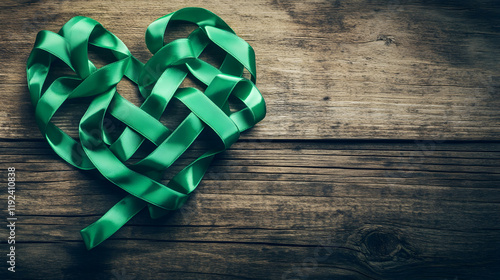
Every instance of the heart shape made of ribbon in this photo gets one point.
(159, 82)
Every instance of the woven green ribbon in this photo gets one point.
(159, 82)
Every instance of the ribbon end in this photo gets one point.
(87, 239)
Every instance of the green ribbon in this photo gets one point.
(159, 82)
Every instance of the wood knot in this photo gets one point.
(388, 39)
(381, 245)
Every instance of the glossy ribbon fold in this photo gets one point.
(159, 82)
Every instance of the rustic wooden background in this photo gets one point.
(379, 157)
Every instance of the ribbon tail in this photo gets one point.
(112, 221)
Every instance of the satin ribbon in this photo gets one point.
(159, 82)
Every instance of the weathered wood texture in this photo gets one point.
(329, 69)
(335, 183)
(381, 211)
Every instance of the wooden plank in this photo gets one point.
(286, 202)
(275, 210)
(328, 69)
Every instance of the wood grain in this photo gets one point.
(379, 157)
(375, 211)
(328, 69)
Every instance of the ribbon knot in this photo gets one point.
(159, 82)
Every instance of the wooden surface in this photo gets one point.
(379, 157)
